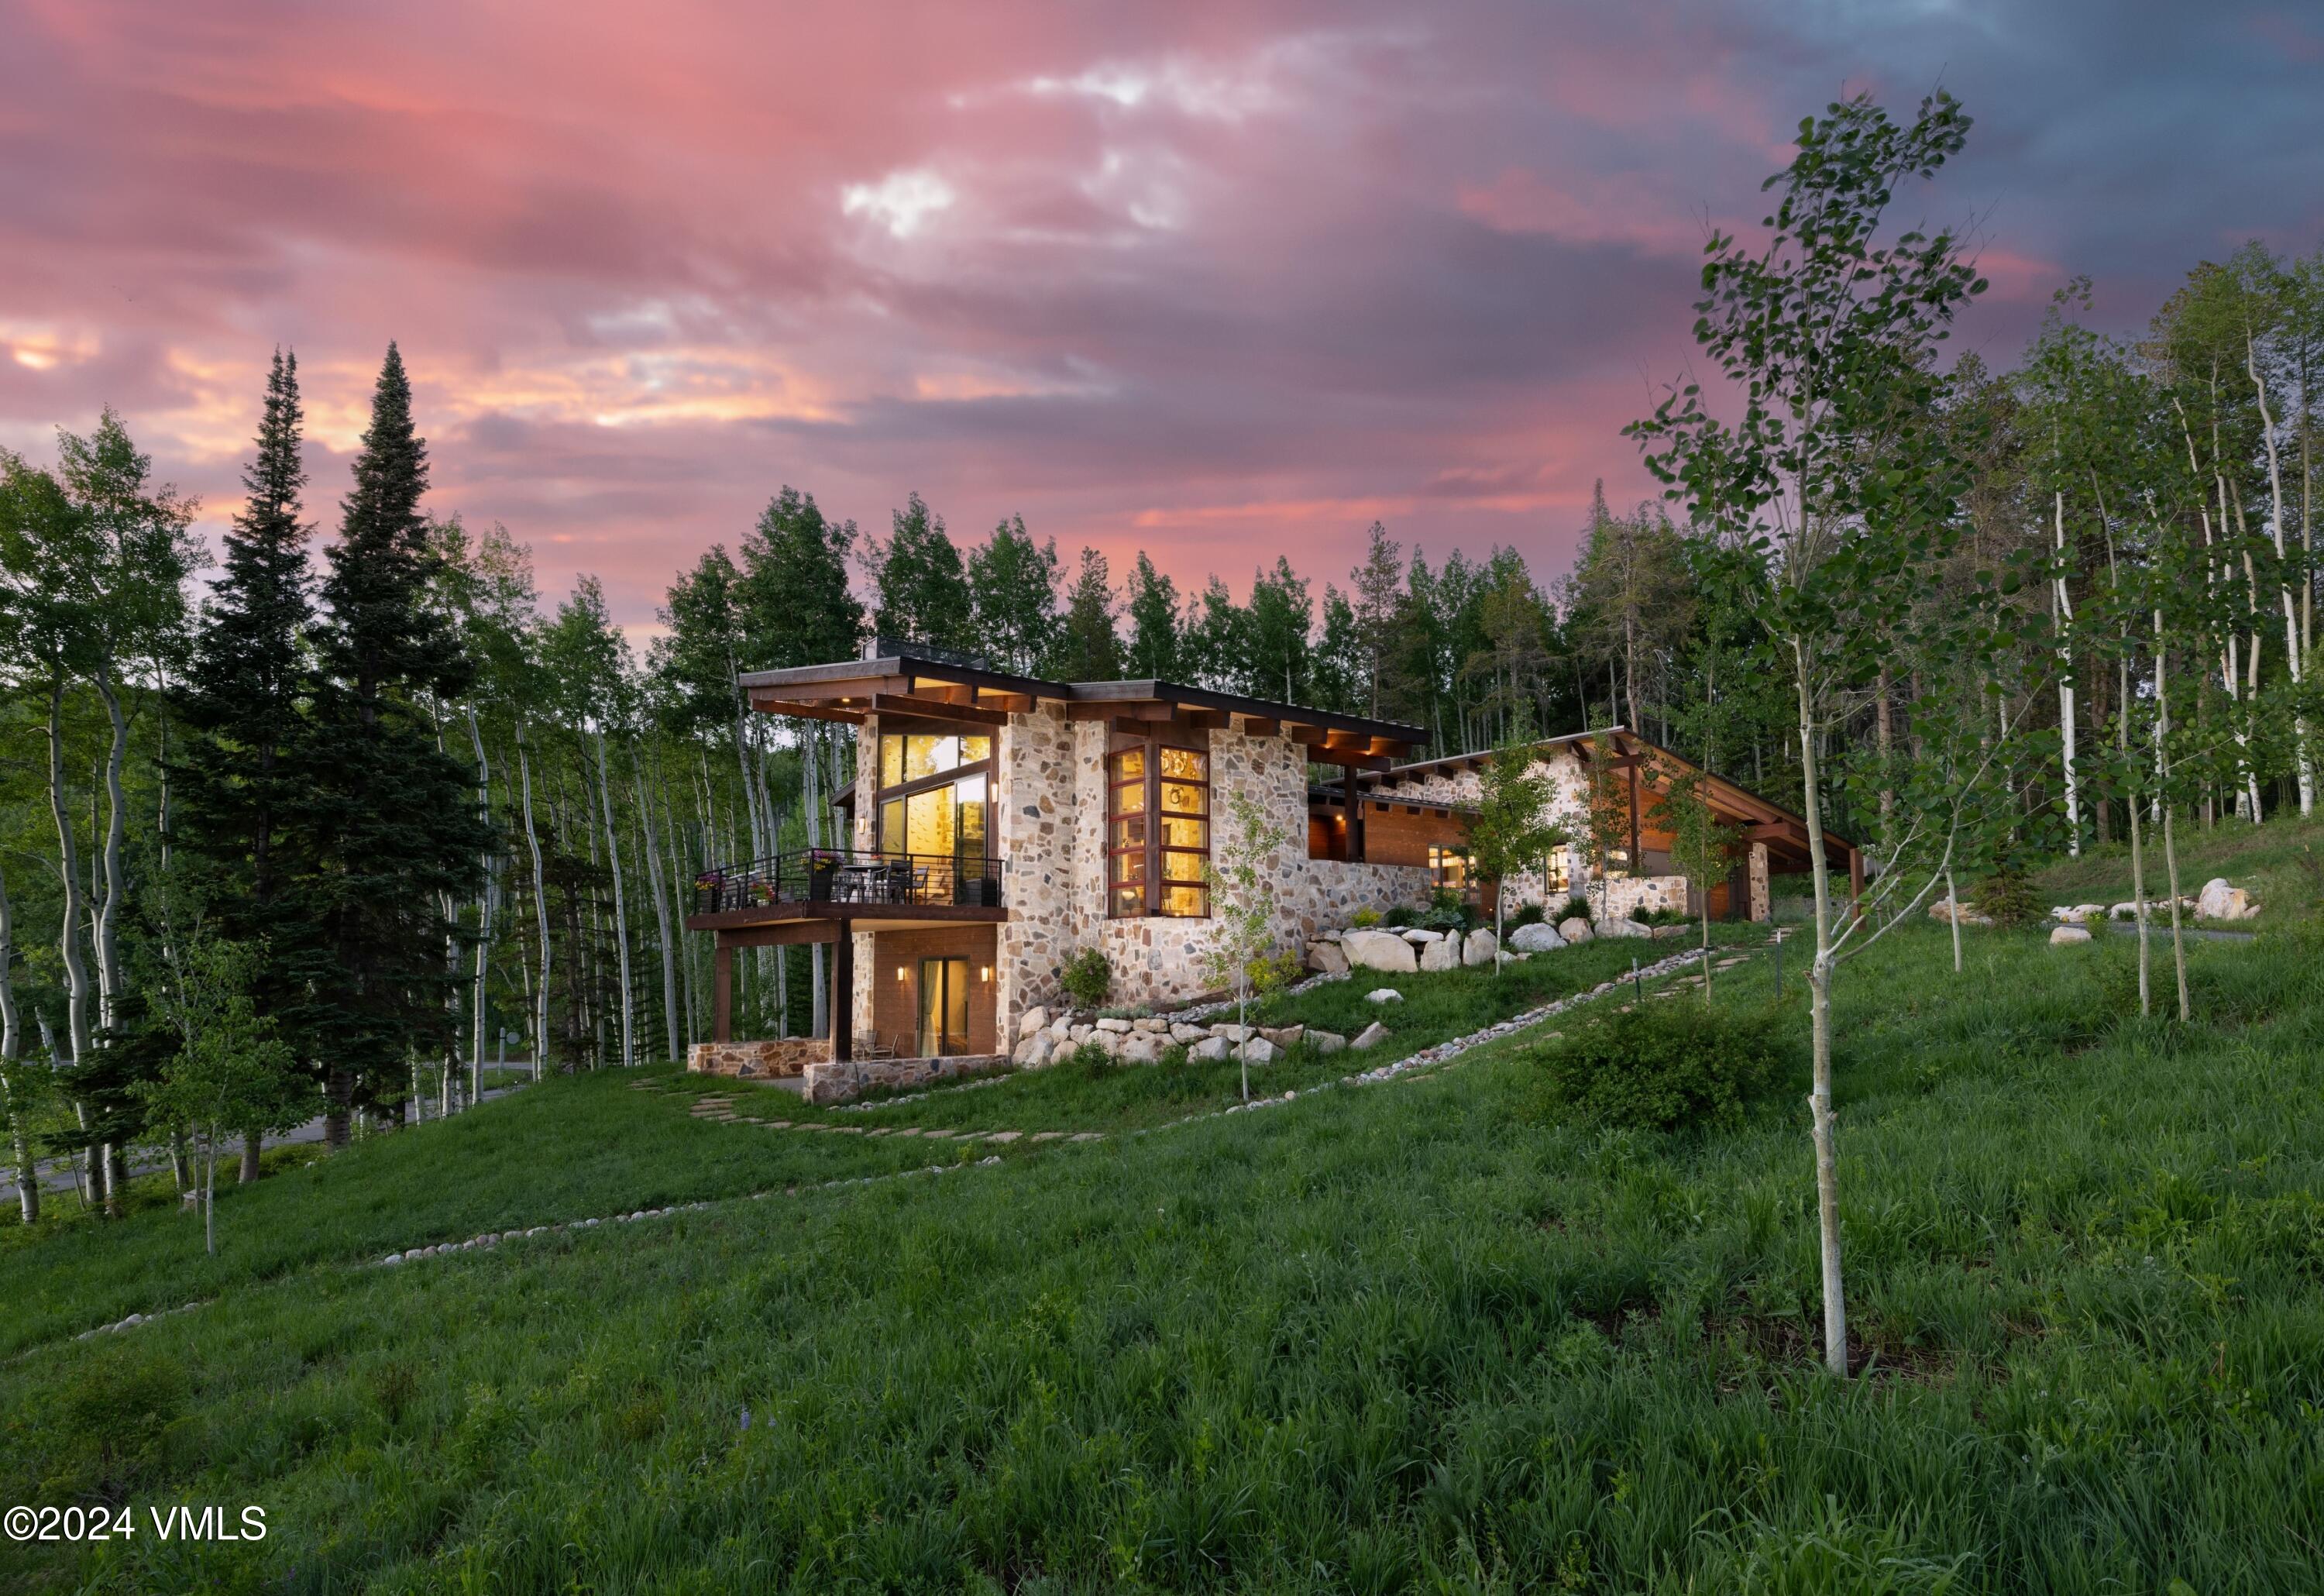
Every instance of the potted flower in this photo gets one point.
(821, 870)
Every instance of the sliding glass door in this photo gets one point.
(944, 1007)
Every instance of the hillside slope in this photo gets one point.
(1377, 1337)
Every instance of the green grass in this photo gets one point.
(1386, 1338)
(2282, 862)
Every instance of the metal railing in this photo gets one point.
(848, 875)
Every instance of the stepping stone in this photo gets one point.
(880, 1130)
(937, 1134)
(846, 1129)
(1004, 1136)
(777, 1124)
(1048, 1135)
(909, 1130)
(1088, 1136)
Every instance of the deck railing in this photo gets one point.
(848, 875)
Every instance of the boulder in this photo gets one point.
(1371, 1035)
(1326, 958)
(1416, 936)
(1573, 928)
(1326, 1042)
(2220, 901)
(1542, 936)
(2067, 935)
(1480, 946)
(1233, 1033)
(1259, 1050)
(1444, 954)
(1079, 1034)
(1328, 935)
(1035, 1018)
(1188, 1034)
(1118, 1027)
(1036, 1050)
(1106, 1042)
(1383, 994)
(1380, 950)
(1142, 1048)
(1622, 928)
(1284, 1037)
(1944, 910)
(1062, 1026)
(1211, 1049)
(2128, 911)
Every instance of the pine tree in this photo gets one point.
(389, 819)
(922, 588)
(1155, 637)
(1012, 583)
(240, 707)
(1088, 650)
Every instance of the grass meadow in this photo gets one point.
(1425, 1335)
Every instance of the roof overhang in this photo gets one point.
(913, 688)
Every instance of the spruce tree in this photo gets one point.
(236, 791)
(389, 817)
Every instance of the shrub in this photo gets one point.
(1087, 977)
(2007, 896)
(1667, 1064)
(1397, 919)
(1578, 907)
(1530, 914)
(1275, 972)
(1365, 919)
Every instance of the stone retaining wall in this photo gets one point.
(828, 1081)
(790, 1055)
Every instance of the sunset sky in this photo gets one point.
(1218, 281)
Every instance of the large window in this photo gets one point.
(934, 797)
(1556, 873)
(1158, 829)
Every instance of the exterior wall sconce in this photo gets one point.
(985, 974)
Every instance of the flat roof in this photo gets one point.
(912, 686)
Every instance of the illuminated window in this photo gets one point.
(1157, 831)
(1448, 867)
(935, 805)
(1556, 874)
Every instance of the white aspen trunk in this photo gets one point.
(2137, 853)
(487, 904)
(620, 909)
(1824, 1122)
(117, 831)
(2065, 605)
(811, 797)
(662, 909)
(14, 1095)
(2247, 720)
(2302, 763)
(69, 947)
(2170, 842)
(540, 912)
(1952, 913)
(2230, 676)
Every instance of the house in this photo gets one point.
(999, 824)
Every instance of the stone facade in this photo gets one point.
(1762, 908)
(832, 1082)
(1048, 825)
(790, 1055)
(1617, 898)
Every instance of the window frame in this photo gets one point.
(1154, 854)
(884, 793)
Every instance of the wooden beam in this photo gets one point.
(936, 709)
(814, 712)
(1207, 720)
(1259, 725)
(1306, 736)
(1007, 703)
(1777, 831)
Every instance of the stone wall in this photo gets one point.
(1760, 907)
(789, 1056)
(832, 1082)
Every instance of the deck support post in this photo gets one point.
(843, 995)
(721, 964)
(1355, 809)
